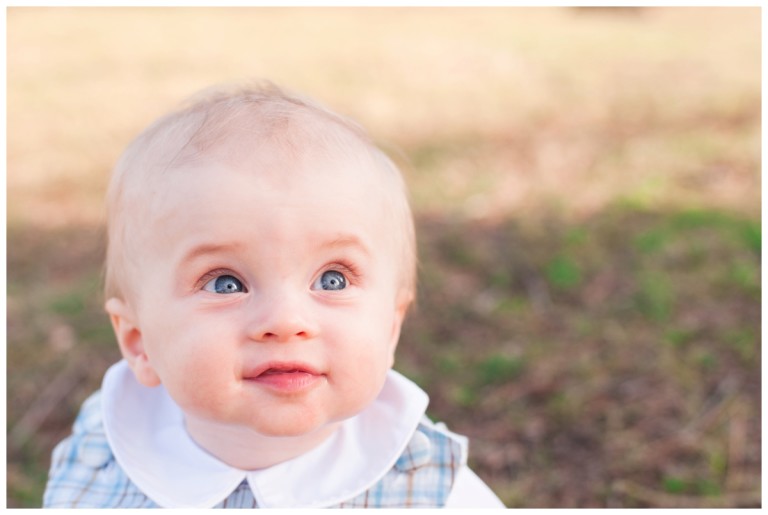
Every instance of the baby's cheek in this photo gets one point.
(198, 390)
(364, 374)
(195, 373)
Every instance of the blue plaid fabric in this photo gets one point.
(84, 473)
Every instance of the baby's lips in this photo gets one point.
(281, 367)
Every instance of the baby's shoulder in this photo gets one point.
(432, 443)
(84, 473)
(423, 475)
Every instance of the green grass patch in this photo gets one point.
(702, 486)
(652, 240)
(464, 396)
(498, 369)
(678, 337)
(449, 364)
(674, 485)
(512, 306)
(745, 275)
(705, 360)
(718, 462)
(563, 273)
(68, 304)
(707, 488)
(744, 341)
(752, 236)
(576, 236)
(747, 232)
(501, 279)
(655, 298)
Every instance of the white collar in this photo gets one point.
(146, 432)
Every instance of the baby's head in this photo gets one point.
(261, 260)
(231, 127)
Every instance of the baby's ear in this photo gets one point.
(129, 338)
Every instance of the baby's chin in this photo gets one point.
(297, 425)
(284, 429)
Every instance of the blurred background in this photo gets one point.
(586, 186)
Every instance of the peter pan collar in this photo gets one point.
(145, 429)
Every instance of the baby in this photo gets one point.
(261, 260)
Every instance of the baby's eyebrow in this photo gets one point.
(337, 242)
(346, 241)
(210, 248)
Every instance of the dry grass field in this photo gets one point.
(586, 185)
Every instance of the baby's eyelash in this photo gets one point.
(348, 268)
(351, 271)
(213, 274)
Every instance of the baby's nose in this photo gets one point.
(282, 319)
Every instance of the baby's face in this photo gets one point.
(270, 299)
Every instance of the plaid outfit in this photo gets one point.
(85, 474)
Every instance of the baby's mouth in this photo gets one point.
(280, 368)
(285, 377)
(275, 371)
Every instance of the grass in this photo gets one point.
(586, 185)
(623, 360)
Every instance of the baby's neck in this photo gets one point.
(245, 449)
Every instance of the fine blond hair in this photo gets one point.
(225, 123)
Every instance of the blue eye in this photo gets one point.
(331, 280)
(224, 284)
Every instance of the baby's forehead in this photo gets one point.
(269, 139)
(289, 166)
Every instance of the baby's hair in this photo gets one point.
(224, 124)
